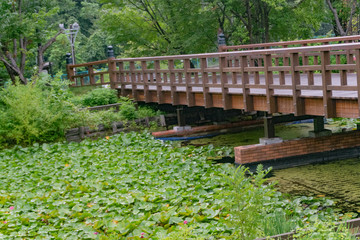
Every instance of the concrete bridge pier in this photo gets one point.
(270, 121)
(319, 129)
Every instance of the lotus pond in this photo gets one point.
(130, 186)
(338, 180)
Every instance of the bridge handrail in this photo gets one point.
(265, 72)
(305, 49)
(288, 43)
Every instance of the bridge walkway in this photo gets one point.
(321, 80)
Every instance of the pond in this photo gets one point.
(339, 180)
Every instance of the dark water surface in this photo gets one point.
(338, 180)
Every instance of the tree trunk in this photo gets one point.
(339, 28)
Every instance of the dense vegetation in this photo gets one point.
(131, 186)
(43, 111)
(30, 36)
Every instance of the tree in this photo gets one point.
(345, 15)
(146, 27)
(24, 32)
(257, 21)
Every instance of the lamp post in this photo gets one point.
(71, 34)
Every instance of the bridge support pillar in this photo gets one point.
(269, 130)
(180, 116)
(269, 127)
(181, 119)
(319, 129)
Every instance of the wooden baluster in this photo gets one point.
(174, 95)
(298, 102)
(226, 101)
(166, 77)
(286, 59)
(357, 69)
(316, 60)
(281, 73)
(337, 56)
(133, 80)
(70, 74)
(329, 106)
(234, 75)
(145, 78)
(91, 75)
(343, 73)
(305, 58)
(276, 61)
(270, 99)
(349, 59)
(205, 82)
(190, 97)
(214, 78)
(256, 73)
(122, 78)
(343, 78)
(158, 81)
(247, 98)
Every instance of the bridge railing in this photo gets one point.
(88, 74)
(296, 43)
(314, 71)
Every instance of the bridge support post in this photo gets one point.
(180, 116)
(269, 127)
(319, 129)
(70, 71)
(181, 119)
(112, 66)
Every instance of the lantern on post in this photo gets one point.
(71, 34)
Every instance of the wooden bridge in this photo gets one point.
(307, 77)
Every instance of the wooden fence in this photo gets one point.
(296, 43)
(353, 225)
(310, 80)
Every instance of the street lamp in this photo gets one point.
(71, 35)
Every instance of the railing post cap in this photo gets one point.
(110, 51)
(68, 58)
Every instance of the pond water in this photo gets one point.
(339, 180)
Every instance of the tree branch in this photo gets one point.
(43, 48)
(337, 21)
(353, 10)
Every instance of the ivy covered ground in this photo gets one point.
(130, 186)
(127, 185)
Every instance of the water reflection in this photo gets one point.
(339, 180)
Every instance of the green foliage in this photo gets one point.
(246, 198)
(118, 188)
(278, 222)
(131, 185)
(99, 96)
(35, 112)
(324, 231)
(159, 27)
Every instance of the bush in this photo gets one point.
(324, 230)
(99, 96)
(35, 112)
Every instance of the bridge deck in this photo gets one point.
(235, 87)
(310, 80)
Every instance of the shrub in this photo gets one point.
(34, 112)
(99, 96)
(324, 230)
(246, 198)
(127, 110)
